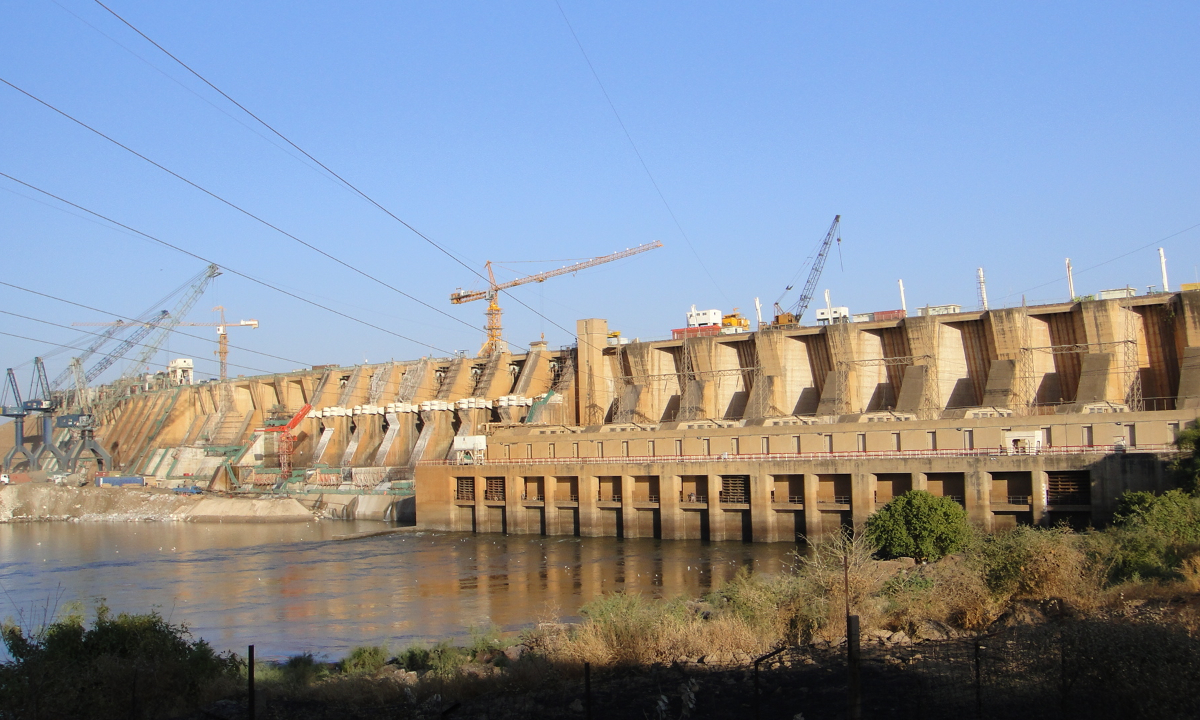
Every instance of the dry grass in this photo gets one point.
(627, 629)
(1016, 575)
(950, 593)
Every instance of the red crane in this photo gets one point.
(287, 441)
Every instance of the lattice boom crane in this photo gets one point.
(494, 331)
(796, 312)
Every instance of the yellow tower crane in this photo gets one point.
(494, 334)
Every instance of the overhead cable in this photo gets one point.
(87, 332)
(637, 152)
(240, 274)
(327, 169)
(135, 320)
(1112, 259)
(233, 205)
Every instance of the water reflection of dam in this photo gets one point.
(291, 588)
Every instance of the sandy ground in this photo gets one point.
(43, 501)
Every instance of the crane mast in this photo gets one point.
(90, 350)
(170, 320)
(796, 312)
(119, 351)
(494, 330)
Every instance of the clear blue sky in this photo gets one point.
(948, 136)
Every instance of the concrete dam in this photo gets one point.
(1026, 415)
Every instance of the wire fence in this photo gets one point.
(1073, 670)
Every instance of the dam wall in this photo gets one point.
(1062, 388)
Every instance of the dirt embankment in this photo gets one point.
(39, 502)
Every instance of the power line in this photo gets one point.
(126, 317)
(86, 332)
(185, 87)
(240, 209)
(58, 345)
(189, 253)
(343, 180)
(637, 152)
(1110, 260)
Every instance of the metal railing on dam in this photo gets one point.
(1052, 451)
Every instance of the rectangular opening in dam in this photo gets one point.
(566, 489)
(891, 485)
(735, 489)
(948, 484)
(1066, 487)
(788, 489)
(1012, 488)
(645, 489)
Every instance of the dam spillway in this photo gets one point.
(1025, 415)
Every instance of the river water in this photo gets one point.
(293, 588)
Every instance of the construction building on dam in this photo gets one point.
(1026, 415)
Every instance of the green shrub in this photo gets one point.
(1037, 564)
(414, 658)
(761, 601)
(365, 660)
(625, 620)
(1174, 516)
(484, 642)
(920, 526)
(302, 670)
(1186, 469)
(444, 657)
(1137, 555)
(121, 666)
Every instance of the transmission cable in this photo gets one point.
(122, 357)
(240, 209)
(62, 346)
(240, 274)
(1110, 260)
(346, 182)
(637, 152)
(135, 321)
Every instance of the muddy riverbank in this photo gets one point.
(35, 502)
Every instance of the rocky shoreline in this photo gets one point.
(45, 502)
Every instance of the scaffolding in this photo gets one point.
(1126, 350)
(841, 388)
(629, 387)
(379, 382)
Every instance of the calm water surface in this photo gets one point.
(292, 588)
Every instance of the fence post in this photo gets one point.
(587, 689)
(1062, 655)
(757, 709)
(250, 672)
(854, 709)
(978, 683)
(757, 692)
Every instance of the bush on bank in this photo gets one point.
(919, 525)
(1186, 468)
(122, 666)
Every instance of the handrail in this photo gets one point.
(1057, 450)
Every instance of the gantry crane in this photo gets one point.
(18, 414)
(495, 340)
(82, 423)
(41, 401)
(796, 311)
